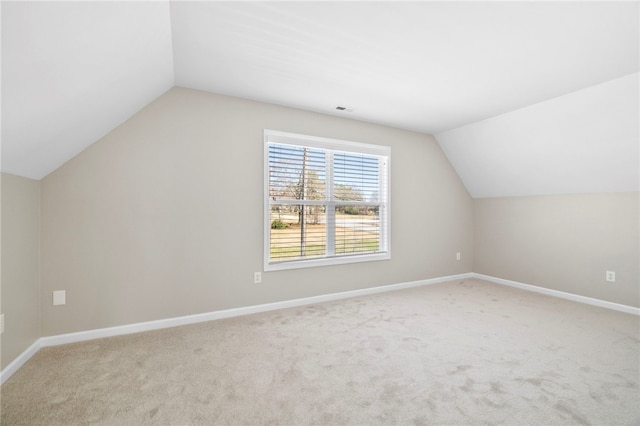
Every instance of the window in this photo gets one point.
(326, 201)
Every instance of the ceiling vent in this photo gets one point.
(344, 108)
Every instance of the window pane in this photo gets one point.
(357, 229)
(297, 231)
(296, 173)
(356, 177)
(326, 201)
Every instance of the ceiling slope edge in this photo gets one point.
(583, 142)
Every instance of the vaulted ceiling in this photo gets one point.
(524, 97)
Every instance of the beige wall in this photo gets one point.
(163, 216)
(564, 243)
(20, 265)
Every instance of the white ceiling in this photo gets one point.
(584, 142)
(73, 71)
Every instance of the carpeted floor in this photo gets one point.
(467, 352)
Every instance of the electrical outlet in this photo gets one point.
(611, 276)
(458, 256)
(59, 297)
(257, 277)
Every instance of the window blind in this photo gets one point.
(326, 199)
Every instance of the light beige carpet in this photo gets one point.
(467, 352)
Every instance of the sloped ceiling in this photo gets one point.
(583, 142)
(73, 71)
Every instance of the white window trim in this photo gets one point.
(274, 136)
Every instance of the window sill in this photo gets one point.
(326, 261)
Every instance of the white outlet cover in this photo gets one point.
(59, 297)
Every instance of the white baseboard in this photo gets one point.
(19, 361)
(62, 339)
(569, 296)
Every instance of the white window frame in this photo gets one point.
(274, 136)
